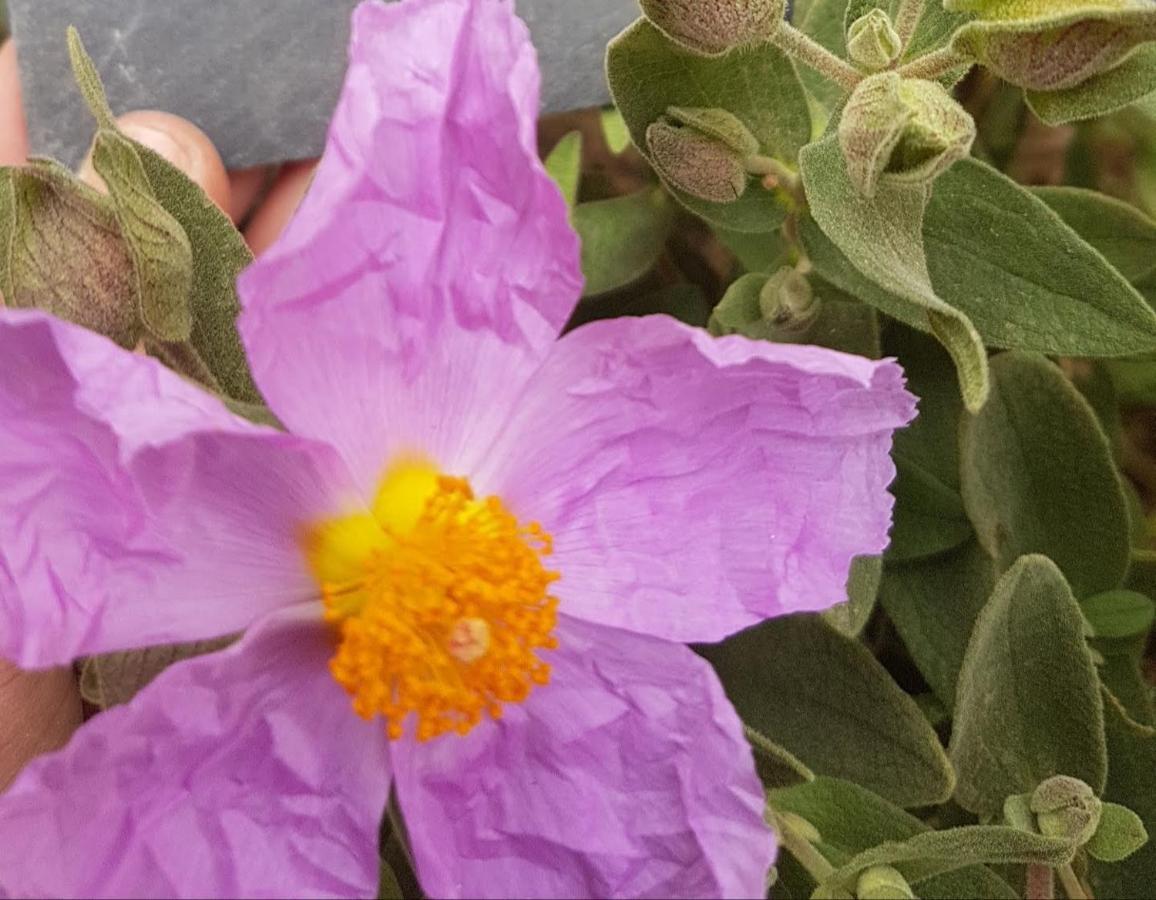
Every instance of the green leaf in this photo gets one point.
(862, 592)
(1107, 92)
(1120, 834)
(564, 164)
(161, 255)
(1003, 258)
(1125, 236)
(933, 604)
(936, 852)
(1119, 614)
(648, 74)
(824, 21)
(65, 253)
(929, 517)
(881, 239)
(622, 237)
(827, 700)
(1028, 705)
(851, 819)
(1131, 777)
(756, 251)
(614, 130)
(1038, 477)
(777, 766)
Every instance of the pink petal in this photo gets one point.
(137, 508)
(240, 774)
(626, 776)
(697, 486)
(431, 265)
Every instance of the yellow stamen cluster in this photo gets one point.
(443, 619)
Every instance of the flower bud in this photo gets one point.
(718, 124)
(712, 27)
(872, 41)
(787, 301)
(779, 307)
(700, 164)
(883, 883)
(1066, 808)
(1053, 46)
(902, 130)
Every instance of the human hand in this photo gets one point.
(40, 710)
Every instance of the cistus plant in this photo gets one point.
(756, 511)
(875, 208)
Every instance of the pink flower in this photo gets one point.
(494, 541)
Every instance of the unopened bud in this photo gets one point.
(883, 883)
(787, 301)
(1044, 46)
(712, 27)
(1066, 808)
(872, 41)
(902, 130)
(701, 165)
(718, 124)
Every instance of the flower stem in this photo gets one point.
(810, 53)
(907, 18)
(1072, 886)
(1041, 882)
(933, 65)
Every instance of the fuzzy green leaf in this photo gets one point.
(1028, 705)
(1038, 477)
(161, 255)
(1125, 236)
(862, 592)
(851, 819)
(622, 237)
(933, 603)
(826, 699)
(1120, 834)
(1107, 92)
(1119, 614)
(565, 166)
(881, 239)
(1008, 262)
(648, 74)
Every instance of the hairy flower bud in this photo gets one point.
(905, 130)
(872, 41)
(712, 27)
(787, 301)
(702, 152)
(1066, 808)
(1051, 46)
(883, 883)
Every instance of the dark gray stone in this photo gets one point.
(260, 76)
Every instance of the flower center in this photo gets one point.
(440, 600)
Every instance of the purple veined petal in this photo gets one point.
(431, 265)
(137, 509)
(695, 486)
(239, 774)
(627, 775)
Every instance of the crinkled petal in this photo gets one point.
(695, 486)
(431, 265)
(240, 774)
(627, 775)
(136, 508)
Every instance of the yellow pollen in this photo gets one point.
(441, 602)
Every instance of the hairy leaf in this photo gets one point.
(622, 237)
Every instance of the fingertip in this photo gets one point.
(13, 134)
(181, 143)
(280, 204)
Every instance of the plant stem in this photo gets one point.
(933, 65)
(907, 18)
(805, 853)
(1041, 882)
(1071, 883)
(810, 53)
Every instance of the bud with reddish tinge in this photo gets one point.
(1052, 45)
(702, 152)
(902, 130)
(712, 27)
(872, 41)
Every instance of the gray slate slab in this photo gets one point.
(260, 76)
